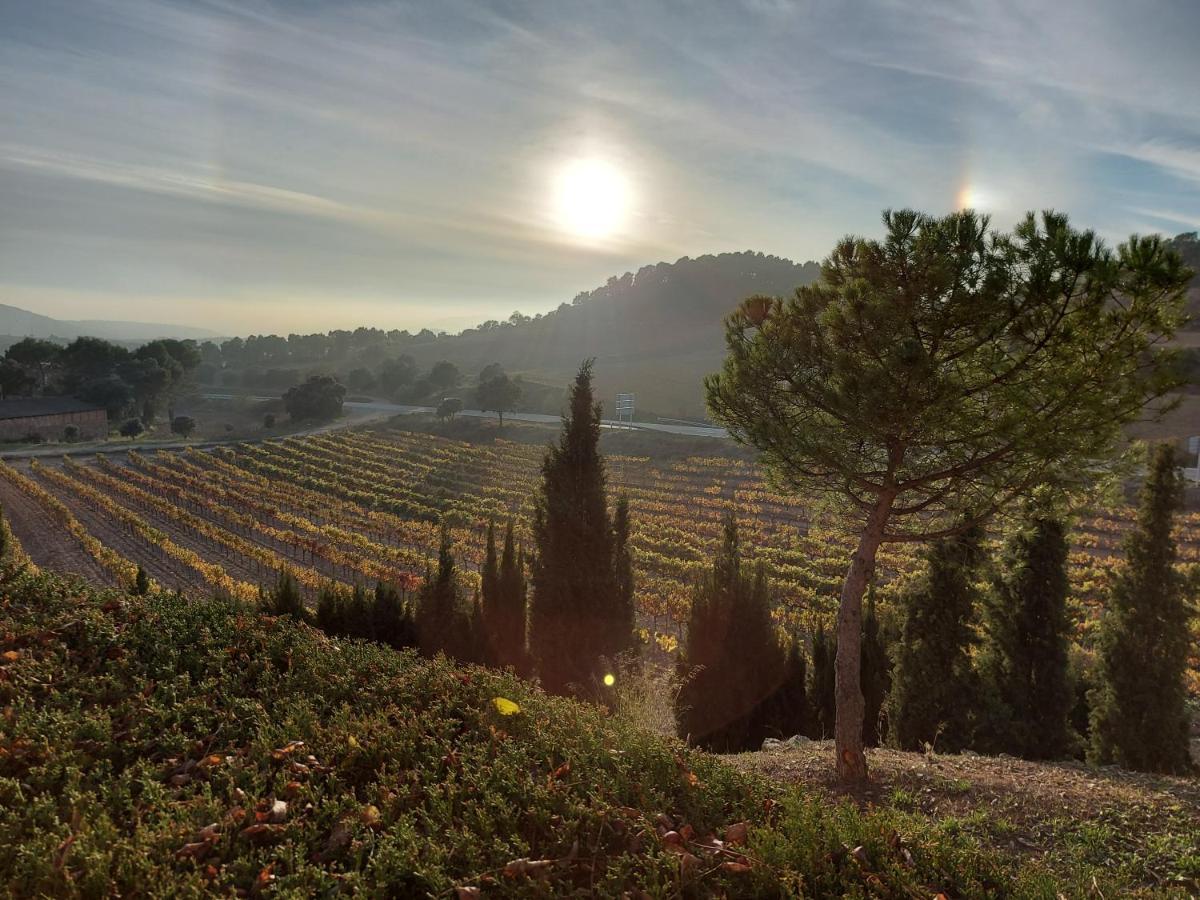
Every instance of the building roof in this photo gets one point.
(28, 407)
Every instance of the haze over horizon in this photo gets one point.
(298, 167)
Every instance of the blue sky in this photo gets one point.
(294, 166)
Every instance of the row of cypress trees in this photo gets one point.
(1009, 686)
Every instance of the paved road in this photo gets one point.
(117, 446)
(400, 409)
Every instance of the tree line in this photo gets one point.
(980, 656)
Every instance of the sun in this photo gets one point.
(591, 198)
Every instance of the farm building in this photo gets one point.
(49, 417)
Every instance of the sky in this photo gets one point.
(254, 166)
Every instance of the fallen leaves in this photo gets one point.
(203, 843)
(287, 750)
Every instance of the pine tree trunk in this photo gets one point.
(848, 730)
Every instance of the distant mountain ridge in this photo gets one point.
(655, 332)
(18, 322)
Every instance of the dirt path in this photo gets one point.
(46, 542)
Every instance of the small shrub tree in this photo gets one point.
(319, 399)
(71, 434)
(269, 420)
(183, 426)
(284, 598)
(131, 428)
(1139, 706)
(141, 583)
(449, 408)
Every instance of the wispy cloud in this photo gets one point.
(397, 157)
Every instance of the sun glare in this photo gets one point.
(591, 198)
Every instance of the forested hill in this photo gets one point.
(655, 332)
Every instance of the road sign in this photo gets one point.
(624, 408)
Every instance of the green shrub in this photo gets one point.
(146, 737)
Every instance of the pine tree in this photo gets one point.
(876, 674)
(576, 608)
(3, 534)
(731, 663)
(1139, 715)
(821, 693)
(933, 688)
(141, 583)
(1025, 657)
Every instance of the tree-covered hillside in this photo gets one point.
(656, 332)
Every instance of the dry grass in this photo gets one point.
(1045, 812)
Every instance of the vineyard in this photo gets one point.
(365, 506)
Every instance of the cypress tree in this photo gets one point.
(504, 603)
(1025, 658)
(491, 611)
(821, 692)
(443, 626)
(508, 630)
(786, 711)
(933, 689)
(284, 599)
(141, 583)
(623, 614)
(576, 609)
(391, 620)
(876, 674)
(476, 650)
(359, 614)
(3, 534)
(731, 661)
(330, 615)
(1139, 714)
